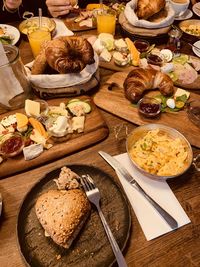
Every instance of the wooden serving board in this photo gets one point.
(95, 130)
(141, 32)
(195, 85)
(115, 102)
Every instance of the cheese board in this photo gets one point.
(95, 129)
(124, 55)
(115, 102)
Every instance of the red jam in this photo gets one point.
(154, 59)
(142, 46)
(149, 107)
(12, 145)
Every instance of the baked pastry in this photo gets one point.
(64, 55)
(140, 80)
(69, 54)
(62, 214)
(147, 8)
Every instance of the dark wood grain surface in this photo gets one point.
(176, 249)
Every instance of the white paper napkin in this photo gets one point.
(61, 29)
(9, 84)
(153, 225)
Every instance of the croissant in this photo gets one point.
(140, 80)
(69, 54)
(147, 8)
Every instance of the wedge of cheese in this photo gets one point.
(78, 124)
(32, 108)
(32, 151)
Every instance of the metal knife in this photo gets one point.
(117, 166)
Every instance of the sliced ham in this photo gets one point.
(195, 63)
(186, 73)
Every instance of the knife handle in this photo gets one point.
(165, 215)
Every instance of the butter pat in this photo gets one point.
(32, 151)
(32, 108)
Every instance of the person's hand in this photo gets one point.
(59, 7)
(12, 4)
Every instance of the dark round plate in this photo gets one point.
(91, 247)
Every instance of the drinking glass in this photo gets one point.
(36, 38)
(106, 21)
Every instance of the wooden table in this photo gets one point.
(178, 248)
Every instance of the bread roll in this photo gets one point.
(62, 214)
(140, 80)
(147, 8)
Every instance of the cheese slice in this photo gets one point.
(32, 151)
(32, 108)
(37, 137)
(180, 92)
(78, 124)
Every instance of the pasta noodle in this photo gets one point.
(160, 154)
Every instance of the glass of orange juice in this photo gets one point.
(106, 21)
(36, 38)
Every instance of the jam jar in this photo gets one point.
(15, 85)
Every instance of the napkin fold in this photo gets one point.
(61, 29)
(153, 225)
(9, 84)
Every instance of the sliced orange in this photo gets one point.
(22, 120)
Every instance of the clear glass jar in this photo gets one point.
(174, 43)
(18, 76)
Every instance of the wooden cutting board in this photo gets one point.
(95, 130)
(115, 102)
(195, 85)
(141, 32)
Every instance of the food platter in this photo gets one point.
(70, 22)
(114, 101)
(91, 248)
(12, 32)
(95, 130)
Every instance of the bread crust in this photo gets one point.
(148, 8)
(65, 54)
(69, 54)
(140, 80)
(62, 214)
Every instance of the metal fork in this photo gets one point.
(93, 195)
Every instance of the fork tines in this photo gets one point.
(87, 182)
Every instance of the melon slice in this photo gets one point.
(135, 54)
